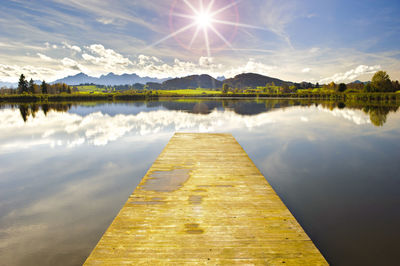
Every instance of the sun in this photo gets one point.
(204, 20)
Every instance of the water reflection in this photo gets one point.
(377, 112)
(66, 169)
(64, 125)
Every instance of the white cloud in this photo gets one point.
(45, 57)
(155, 67)
(72, 47)
(352, 74)
(276, 15)
(11, 73)
(105, 21)
(206, 61)
(48, 45)
(315, 50)
(107, 58)
(106, 10)
(306, 70)
(72, 64)
(90, 58)
(357, 117)
(252, 66)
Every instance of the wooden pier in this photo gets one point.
(204, 201)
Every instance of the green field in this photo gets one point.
(188, 92)
(199, 91)
(90, 88)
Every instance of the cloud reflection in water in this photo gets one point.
(68, 129)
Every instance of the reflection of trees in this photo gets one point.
(27, 110)
(378, 117)
(341, 105)
(378, 114)
(378, 111)
(45, 108)
(34, 109)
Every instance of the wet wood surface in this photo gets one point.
(203, 201)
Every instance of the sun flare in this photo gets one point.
(204, 20)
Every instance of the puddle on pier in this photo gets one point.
(153, 201)
(146, 202)
(208, 186)
(195, 199)
(193, 229)
(166, 181)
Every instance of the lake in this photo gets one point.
(67, 169)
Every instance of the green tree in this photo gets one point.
(332, 85)
(381, 82)
(22, 84)
(225, 88)
(396, 85)
(342, 87)
(64, 88)
(31, 86)
(368, 87)
(44, 87)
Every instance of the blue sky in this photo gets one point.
(318, 41)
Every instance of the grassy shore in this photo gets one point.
(194, 94)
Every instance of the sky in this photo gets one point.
(308, 40)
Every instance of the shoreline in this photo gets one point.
(111, 97)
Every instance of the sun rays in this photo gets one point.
(204, 21)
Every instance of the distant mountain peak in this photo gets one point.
(359, 82)
(193, 81)
(108, 79)
(253, 80)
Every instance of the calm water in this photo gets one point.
(66, 170)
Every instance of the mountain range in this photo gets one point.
(188, 82)
(192, 82)
(8, 84)
(240, 81)
(107, 80)
(252, 80)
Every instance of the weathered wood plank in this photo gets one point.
(203, 201)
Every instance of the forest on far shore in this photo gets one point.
(380, 83)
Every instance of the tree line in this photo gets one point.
(30, 87)
(380, 82)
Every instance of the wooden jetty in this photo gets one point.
(204, 201)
